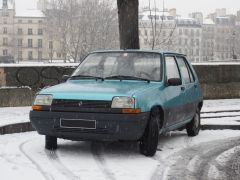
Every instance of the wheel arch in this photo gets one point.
(160, 110)
(200, 105)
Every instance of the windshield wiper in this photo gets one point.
(86, 77)
(121, 77)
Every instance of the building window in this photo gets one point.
(40, 43)
(5, 41)
(59, 55)
(19, 42)
(30, 21)
(192, 32)
(197, 52)
(30, 32)
(20, 31)
(192, 42)
(30, 43)
(5, 52)
(40, 32)
(30, 55)
(180, 31)
(180, 41)
(186, 41)
(197, 42)
(4, 21)
(198, 32)
(39, 55)
(145, 41)
(146, 33)
(40, 21)
(4, 30)
(50, 45)
(186, 31)
(19, 55)
(19, 21)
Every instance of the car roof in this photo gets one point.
(141, 50)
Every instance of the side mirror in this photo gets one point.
(65, 78)
(174, 82)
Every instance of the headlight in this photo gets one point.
(123, 102)
(43, 100)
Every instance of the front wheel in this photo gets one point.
(149, 142)
(50, 142)
(194, 126)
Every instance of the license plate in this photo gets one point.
(78, 123)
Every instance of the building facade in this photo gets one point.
(162, 30)
(24, 37)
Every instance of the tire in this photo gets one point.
(194, 126)
(149, 142)
(50, 142)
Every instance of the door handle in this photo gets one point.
(182, 88)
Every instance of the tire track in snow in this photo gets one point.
(45, 174)
(96, 149)
(198, 162)
(53, 157)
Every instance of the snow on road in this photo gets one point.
(211, 153)
(22, 156)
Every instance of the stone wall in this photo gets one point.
(19, 84)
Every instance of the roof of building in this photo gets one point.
(208, 21)
(190, 22)
(29, 13)
(159, 15)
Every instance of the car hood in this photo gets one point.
(97, 90)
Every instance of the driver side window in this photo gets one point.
(171, 68)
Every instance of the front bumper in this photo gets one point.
(109, 127)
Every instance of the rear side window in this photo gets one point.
(171, 68)
(186, 76)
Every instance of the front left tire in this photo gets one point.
(50, 142)
(149, 142)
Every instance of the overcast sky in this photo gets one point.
(184, 7)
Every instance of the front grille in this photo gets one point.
(63, 103)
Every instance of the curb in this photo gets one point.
(219, 127)
(16, 128)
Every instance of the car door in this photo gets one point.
(189, 88)
(174, 95)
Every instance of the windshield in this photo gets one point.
(121, 65)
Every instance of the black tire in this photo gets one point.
(149, 142)
(50, 142)
(194, 126)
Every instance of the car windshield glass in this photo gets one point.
(121, 65)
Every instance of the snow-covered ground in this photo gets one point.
(213, 152)
(225, 111)
(22, 156)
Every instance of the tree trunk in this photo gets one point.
(128, 24)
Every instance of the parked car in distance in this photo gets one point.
(127, 95)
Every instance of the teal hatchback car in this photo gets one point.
(128, 95)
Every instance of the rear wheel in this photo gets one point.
(149, 142)
(194, 126)
(50, 142)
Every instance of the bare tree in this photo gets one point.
(82, 26)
